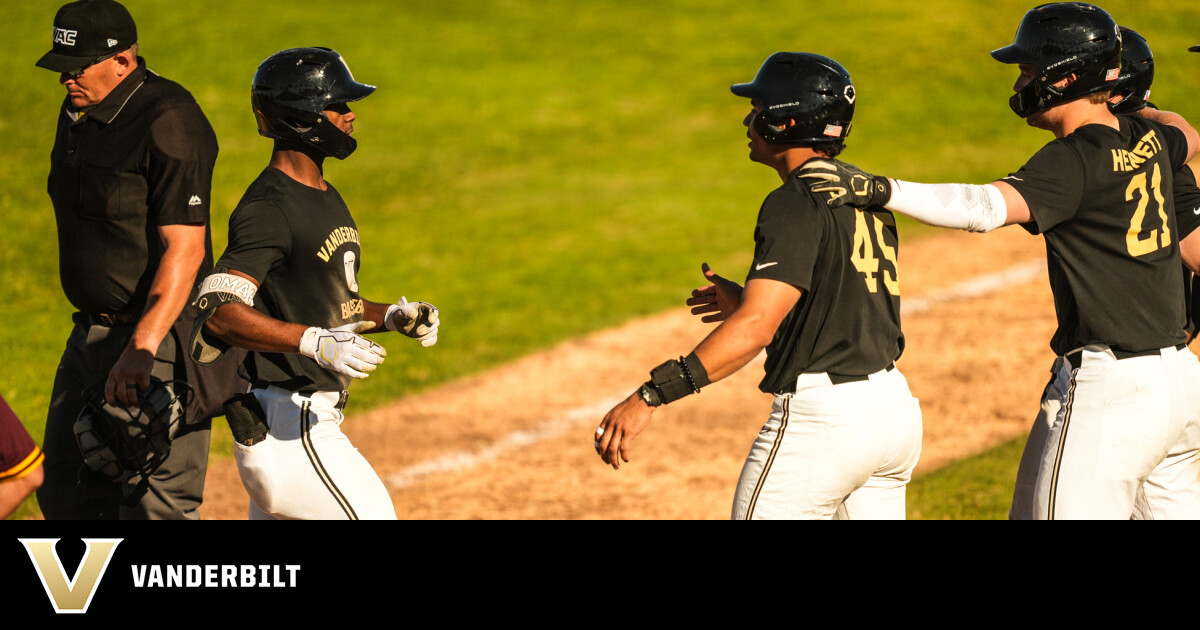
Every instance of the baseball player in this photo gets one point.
(1191, 250)
(822, 296)
(1129, 94)
(287, 290)
(20, 462)
(1123, 404)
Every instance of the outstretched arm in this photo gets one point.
(967, 207)
(727, 349)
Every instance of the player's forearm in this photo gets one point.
(242, 326)
(375, 312)
(171, 287)
(1189, 250)
(1177, 121)
(957, 206)
(733, 344)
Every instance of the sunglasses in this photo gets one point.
(78, 73)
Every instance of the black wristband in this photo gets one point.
(695, 371)
(678, 378)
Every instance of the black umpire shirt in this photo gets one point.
(141, 158)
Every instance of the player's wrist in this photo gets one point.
(309, 341)
(673, 380)
(389, 318)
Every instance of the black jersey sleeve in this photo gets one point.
(1176, 146)
(182, 154)
(1187, 201)
(1052, 184)
(787, 239)
(258, 239)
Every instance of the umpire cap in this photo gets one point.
(86, 32)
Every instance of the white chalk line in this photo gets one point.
(569, 421)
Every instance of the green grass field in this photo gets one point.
(540, 170)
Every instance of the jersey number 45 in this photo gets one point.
(869, 238)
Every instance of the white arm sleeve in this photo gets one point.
(961, 206)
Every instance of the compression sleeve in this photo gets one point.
(974, 208)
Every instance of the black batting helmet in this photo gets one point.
(1063, 39)
(813, 90)
(291, 91)
(122, 447)
(1137, 73)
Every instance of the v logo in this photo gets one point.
(73, 595)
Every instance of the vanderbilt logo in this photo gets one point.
(74, 595)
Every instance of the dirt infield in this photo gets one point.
(516, 443)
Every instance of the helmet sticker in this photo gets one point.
(833, 131)
(849, 94)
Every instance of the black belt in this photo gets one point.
(343, 397)
(1075, 358)
(112, 319)
(838, 379)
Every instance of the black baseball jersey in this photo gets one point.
(1187, 213)
(847, 321)
(301, 245)
(1102, 198)
(141, 158)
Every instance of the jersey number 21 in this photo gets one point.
(1137, 188)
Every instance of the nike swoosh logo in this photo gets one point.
(1196, 211)
(764, 266)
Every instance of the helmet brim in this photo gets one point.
(745, 90)
(357, 92)
(1012, 54)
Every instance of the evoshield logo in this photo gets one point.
(74, 595)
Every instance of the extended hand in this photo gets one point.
(614, 436)
(418, 320)
(343, 350)
(722, 297)
(844, 184)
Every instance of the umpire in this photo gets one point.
(130, 178)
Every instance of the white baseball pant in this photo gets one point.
(306, 468)
(1115, 439)
(844, 451)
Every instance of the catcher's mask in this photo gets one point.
(122, 447)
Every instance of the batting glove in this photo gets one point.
(343, 350)
(418, 320)
(845, 184)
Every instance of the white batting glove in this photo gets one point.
(343, 350)
(418, 320)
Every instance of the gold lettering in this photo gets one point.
(338, 237)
